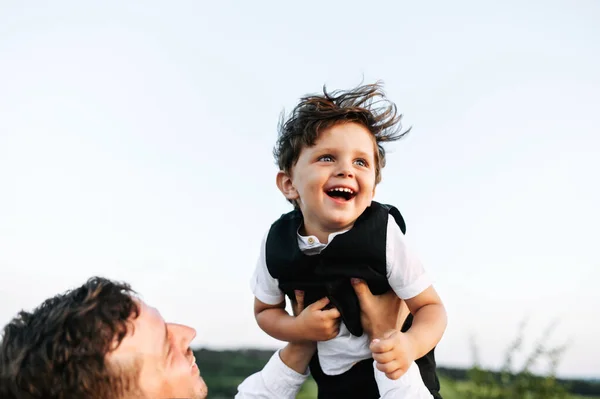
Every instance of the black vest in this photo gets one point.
(359, 252)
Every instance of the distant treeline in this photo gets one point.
(224, 370)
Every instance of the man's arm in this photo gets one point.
(286, 371)
(399, 389)
(282, 377)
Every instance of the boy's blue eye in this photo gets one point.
(361, 162)
(326, 158)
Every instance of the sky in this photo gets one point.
(136, 143)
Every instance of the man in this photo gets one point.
(101, 341)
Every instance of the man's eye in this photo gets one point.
(361, 162)
(326, 158)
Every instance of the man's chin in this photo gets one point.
(202, 391)
(197, 388)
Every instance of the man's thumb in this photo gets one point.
(360, 287)
(389, 334)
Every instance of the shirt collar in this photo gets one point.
(312, 241)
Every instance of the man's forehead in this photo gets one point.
(148, 316)
(143, 331)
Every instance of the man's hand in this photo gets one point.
(382, 317)
(297, 355)
(315, 322)
(298, 306)
(379, 313)
(394, 353)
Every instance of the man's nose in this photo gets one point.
(183, 335)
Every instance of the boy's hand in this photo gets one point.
(394, 353)
(315, 323)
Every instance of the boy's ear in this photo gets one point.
(285, 185)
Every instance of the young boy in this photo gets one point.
(330, 157)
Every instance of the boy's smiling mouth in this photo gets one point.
(341, 193)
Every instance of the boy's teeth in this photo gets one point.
(342, 189)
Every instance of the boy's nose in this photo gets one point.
(344, 171)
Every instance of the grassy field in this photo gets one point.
(455, 390)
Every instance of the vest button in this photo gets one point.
(311, 240)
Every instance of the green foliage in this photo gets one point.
(309, 390)
(521, 383)
(223, 371)
(457, 389)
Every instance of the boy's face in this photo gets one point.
(333, 181)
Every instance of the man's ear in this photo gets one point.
(286, 186)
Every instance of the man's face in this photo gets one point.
(168, 367)
(334, 180)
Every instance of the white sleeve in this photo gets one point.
(264, 287)
(410, 385)
(405, 272)
(274, 381)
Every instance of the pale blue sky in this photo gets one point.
(135, 143)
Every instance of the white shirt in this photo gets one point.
(275, 380)
(405, 274)
(278, 381)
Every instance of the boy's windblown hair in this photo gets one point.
(366, 105)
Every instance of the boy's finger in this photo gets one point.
(320, 304)
(332, 313)
(396, 374)
(392, 368)
(384, 357)
(381, 345)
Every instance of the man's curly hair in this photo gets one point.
(366, 105)
(59, 350)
